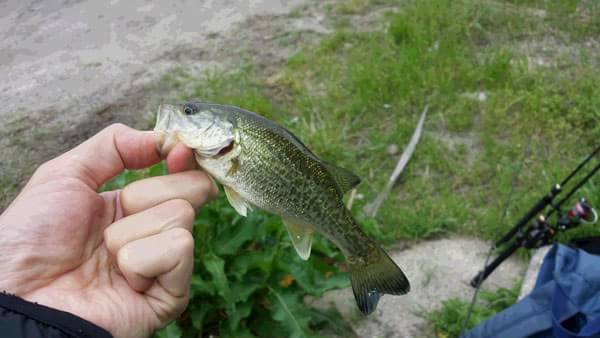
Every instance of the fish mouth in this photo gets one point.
(163, 117)
(205, 134)
(167, 139)
(215, 150)
(165, 142)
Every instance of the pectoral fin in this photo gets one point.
(301, 238)
(237, 202)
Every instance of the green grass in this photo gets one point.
(447, 322)
(355, 93)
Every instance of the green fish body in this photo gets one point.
(262, 164)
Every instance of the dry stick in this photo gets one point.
(372, 208)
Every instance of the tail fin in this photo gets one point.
(374, 276)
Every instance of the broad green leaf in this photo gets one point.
(158, 169)
(321, 245)
(287, 310)
(200, 286)
(226, 332)
(198, 313)
(266, 327)
(242, 290)
(216, 267)
(242, 310)
(231, 240)
(313, 276)
(333, 319)
(261, 260)
(171, 331)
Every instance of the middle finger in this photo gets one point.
(168, 215)
(193, 186)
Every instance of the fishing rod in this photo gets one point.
(533, 234)
(546, 200)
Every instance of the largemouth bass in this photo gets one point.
(261, 164)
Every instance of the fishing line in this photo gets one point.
(584, 162)
(492, 246)
(574, 190)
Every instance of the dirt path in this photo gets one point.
(68, 68)
(67, 54)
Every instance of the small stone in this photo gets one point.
(482, 96)
(387, 106)
(392, 149)
(360, 196)
(274, 79)
(435, 47)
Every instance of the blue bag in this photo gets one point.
(565, 302)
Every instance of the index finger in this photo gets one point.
(106, 154)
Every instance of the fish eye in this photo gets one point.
(188, 110)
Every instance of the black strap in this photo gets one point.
(590, 245)
(50, 318)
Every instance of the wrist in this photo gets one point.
(32, 319)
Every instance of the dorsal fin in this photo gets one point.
(345, 179)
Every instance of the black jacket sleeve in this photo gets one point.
(22, 319)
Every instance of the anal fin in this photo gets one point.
(237, 202)
(301, 236)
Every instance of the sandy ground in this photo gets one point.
(437, 270)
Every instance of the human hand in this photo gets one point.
(120, 259)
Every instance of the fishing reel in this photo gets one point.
(582, 212)
(542, 232)
(531, 232)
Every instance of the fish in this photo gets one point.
(261, 164)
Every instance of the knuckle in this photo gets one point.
(183, 240)
(207, 184)
(129, 197)
(125, 192)
(111, 241)
(184, 212)
(173, 308)
(124, 259)
(116, 128)
(203, 187)
(129, 262)
(50, 167)
(180, 305)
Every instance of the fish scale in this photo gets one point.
(306, 203)
(262, 164)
